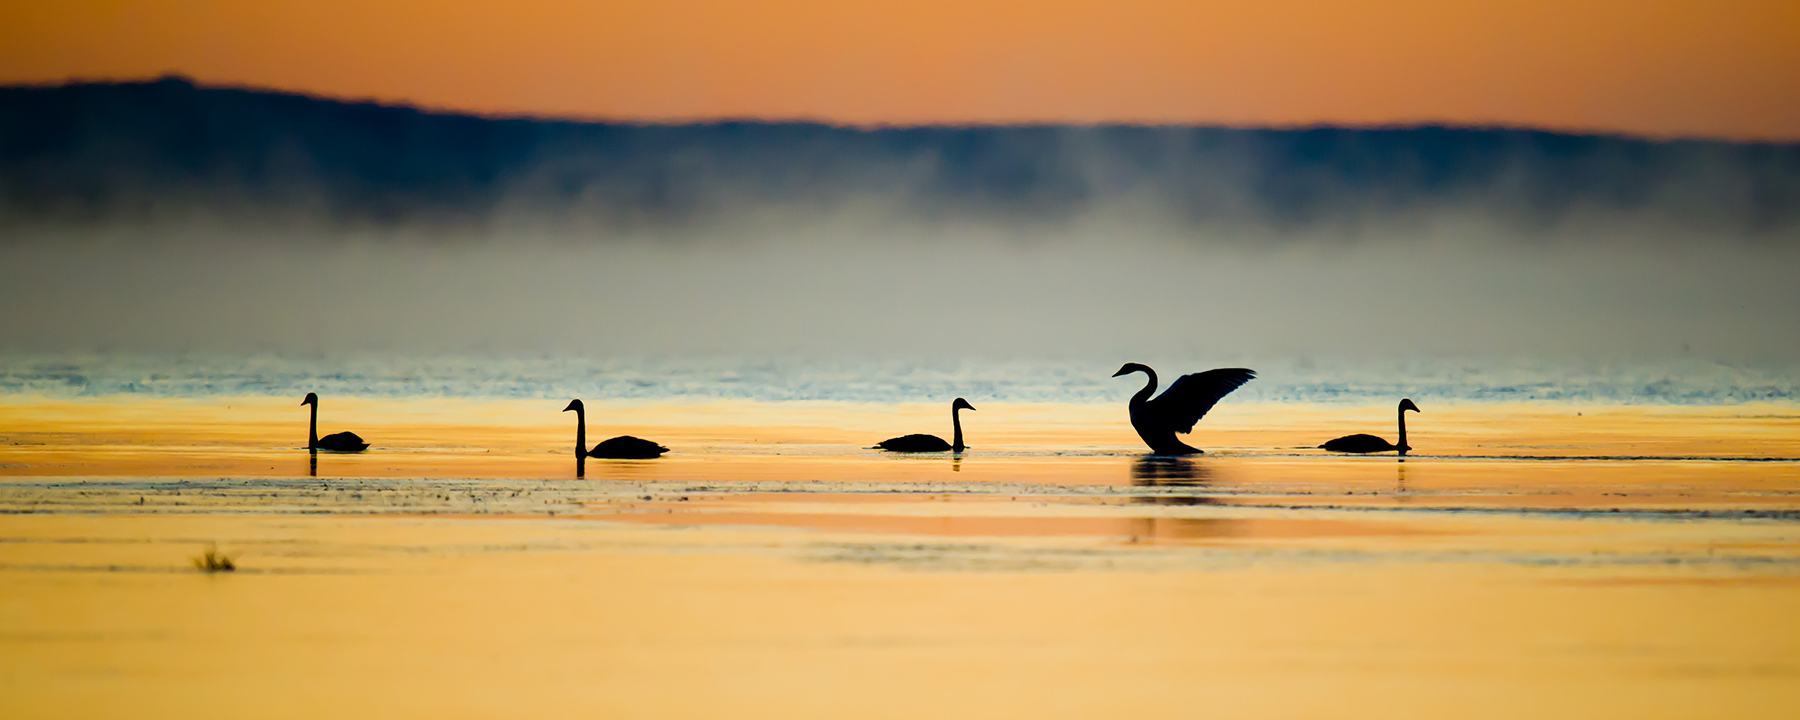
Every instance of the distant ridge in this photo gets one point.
(162, 150)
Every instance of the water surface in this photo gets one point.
(1529, 558)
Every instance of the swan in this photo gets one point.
(623, 447)
(931, 443)
(341, 442)
(1179, 407)
(1364, 443)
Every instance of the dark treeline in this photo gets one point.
(150, 151)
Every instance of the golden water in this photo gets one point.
(1623, 562)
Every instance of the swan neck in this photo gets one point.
(1402, 446)
(312, 427)
(580, 432)
(956, 422)
(1149, 389)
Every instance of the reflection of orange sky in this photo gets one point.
(1682, 67)
(828, 441)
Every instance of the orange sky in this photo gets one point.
(1726, 68)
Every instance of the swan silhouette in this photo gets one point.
(1365, 443)
(1179, 407)
(623, 447)
(340, 442)
(931, 443)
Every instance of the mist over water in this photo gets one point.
(1112, 291)
(516, 258)
(702, 378)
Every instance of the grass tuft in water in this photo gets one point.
(213, 561)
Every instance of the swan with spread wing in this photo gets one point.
(1179, 407)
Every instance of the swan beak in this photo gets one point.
(1120, 372)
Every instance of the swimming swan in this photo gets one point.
(340, 442)
(1364, 443)
(930, 443)
(1179, 407)
(623, 447)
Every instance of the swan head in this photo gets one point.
(1407, 404)
(1130, 368)
(961, 404)
(573, 405)
(311, 399)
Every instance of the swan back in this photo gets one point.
(1359, 443)
(914, 443)
(342, 442)
(626, 447)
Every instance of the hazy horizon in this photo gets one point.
(931, 293)
(299, 226)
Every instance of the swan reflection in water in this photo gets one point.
(1168, 471)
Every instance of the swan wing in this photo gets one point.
(1190, 396)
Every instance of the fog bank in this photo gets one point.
(956, 292)
(162, 217)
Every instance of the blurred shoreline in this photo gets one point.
(1686, 381)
